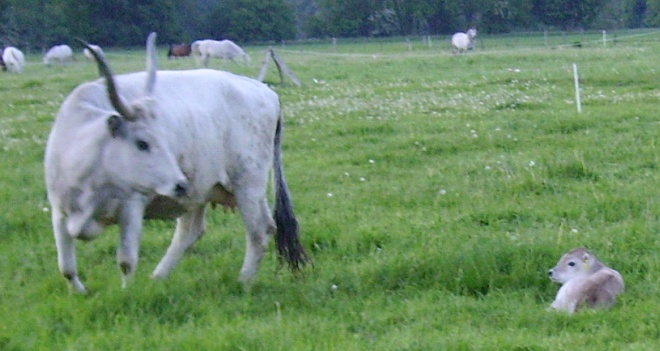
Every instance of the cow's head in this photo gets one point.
(137, 155)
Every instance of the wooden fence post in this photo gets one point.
(264, 66)
(281, 68)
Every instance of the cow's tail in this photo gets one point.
(289, 248)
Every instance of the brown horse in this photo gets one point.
(178, 50)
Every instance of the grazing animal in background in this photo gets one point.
(2, 62)
(586, 282)
(164, 144)
(224, 49)
(178, 50)
(462, 42)
(96, 48)
(13, 59)
(195, 50)
(61, 54)
(194, 47)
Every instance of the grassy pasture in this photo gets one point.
(433, 192)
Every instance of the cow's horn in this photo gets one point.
(104, 71)
(152, 63)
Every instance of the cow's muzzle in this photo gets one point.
(181, 189)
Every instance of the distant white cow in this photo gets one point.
(96, 48)
(164, 144)
(463, 41)
(224, 49)
(13, 59)
(61, 54)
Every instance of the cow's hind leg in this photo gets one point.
(258, 223)
(189, 228)
(66, 252)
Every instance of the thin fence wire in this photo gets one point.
(429, 46)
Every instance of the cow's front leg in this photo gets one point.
(66, 252)
(189, 228)
(130, 220)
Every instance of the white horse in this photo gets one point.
(224, 49)
(463, 41)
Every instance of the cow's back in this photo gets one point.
(208, 101)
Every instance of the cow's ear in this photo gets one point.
(116, 126)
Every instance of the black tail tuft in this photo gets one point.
(289, 248)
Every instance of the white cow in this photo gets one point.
(463, 41)
(14, 60)
(164, 144)
(224, 49)
(96, 48)
(60, 54)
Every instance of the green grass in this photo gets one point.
(433, 192)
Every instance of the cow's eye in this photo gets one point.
(142, 145)
(571, 264)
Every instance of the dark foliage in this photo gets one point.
(39, 24)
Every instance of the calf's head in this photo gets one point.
(574, 264)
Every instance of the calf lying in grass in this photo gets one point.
(586, 282)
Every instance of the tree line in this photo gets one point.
(38, 24)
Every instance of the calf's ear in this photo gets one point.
(116, 126)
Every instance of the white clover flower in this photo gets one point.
(442, 192)
(532, 163)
